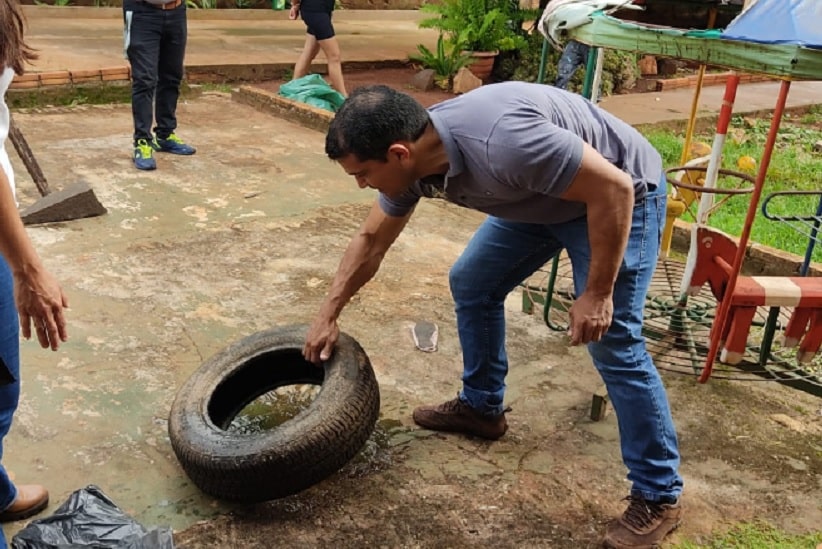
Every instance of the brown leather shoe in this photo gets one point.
(30, 500)
(457, 417)
(643, 525)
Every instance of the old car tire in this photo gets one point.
(297, 453)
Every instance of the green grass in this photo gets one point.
(794, 166)
(69, 96)
(94, 94)
(757, 535)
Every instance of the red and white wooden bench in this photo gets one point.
(714, 260)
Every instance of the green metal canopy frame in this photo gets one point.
(788, 61)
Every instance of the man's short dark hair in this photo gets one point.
(371, 120)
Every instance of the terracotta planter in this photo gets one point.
(483, 64)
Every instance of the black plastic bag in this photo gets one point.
(90, 520)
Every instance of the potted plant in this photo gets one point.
(482, 28)
(445, 61)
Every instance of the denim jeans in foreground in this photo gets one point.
(9, 394)
(501, 255)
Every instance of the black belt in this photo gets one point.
(167, 6)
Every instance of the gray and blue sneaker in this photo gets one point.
(172, 144)
(144, 155)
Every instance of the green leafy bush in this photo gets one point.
(477, 25)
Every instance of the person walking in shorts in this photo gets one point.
(316, 14)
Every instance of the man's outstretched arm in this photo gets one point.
(359, 264)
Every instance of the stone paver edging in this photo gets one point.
(713, 79)
(34, 80)
(295, 111)
(194, 74)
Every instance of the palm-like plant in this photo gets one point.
(445, 63)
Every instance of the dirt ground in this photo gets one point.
(396, 78)
(399, 78)
(750, 452)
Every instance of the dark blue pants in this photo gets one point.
(573, 56)
(155, 44)
(9, 394)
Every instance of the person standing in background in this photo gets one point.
(23, 279)
(155, 43)
(573, 56)
(316, 14)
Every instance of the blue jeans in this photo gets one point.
(9, 394)
(573, 56)
(499, 257)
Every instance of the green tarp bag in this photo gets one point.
(313, 90)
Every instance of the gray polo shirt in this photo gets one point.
(514, 147)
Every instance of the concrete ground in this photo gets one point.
(91, 38)
(75, 38)
(245, 235)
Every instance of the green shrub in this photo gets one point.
(477, 25)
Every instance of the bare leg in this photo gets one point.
(331, 49)
(310, 51)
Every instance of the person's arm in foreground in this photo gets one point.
(608, 194)
(359, 264)
(40, 300)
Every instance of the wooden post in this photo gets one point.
(23, 150)
(599, 404)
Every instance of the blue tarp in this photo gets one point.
(779, 22)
